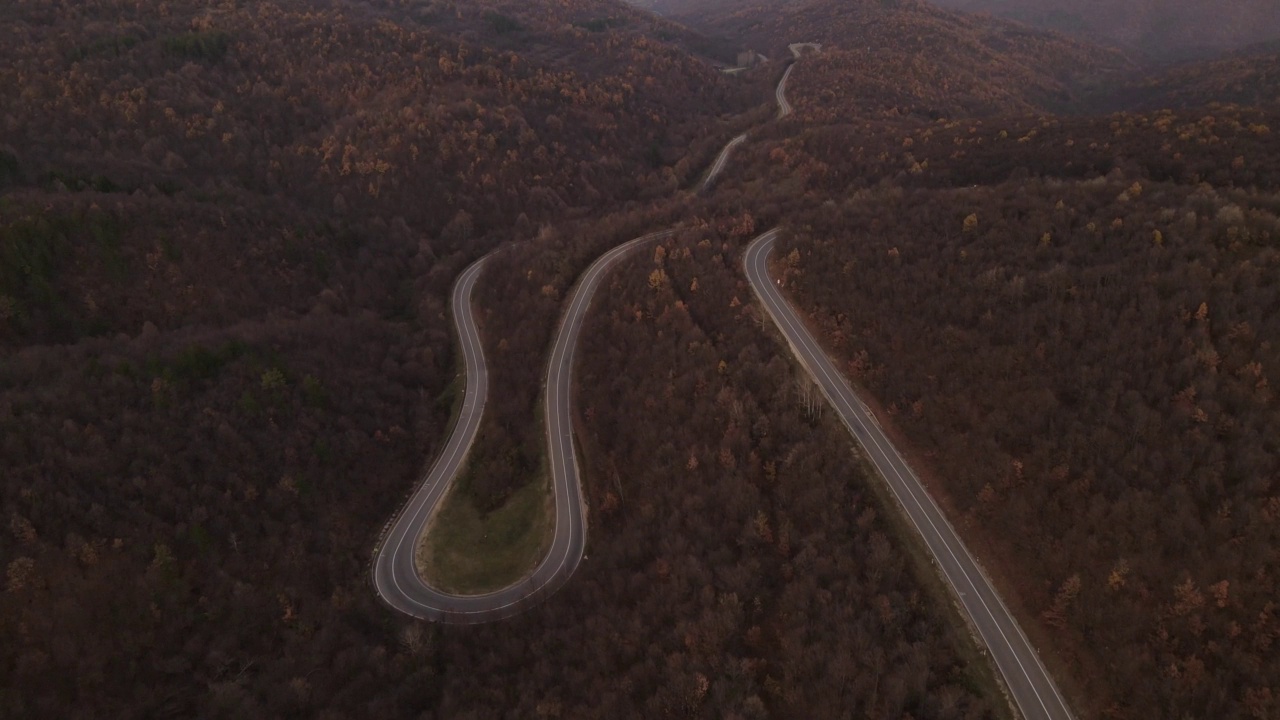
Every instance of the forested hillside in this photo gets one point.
(1249, 77)
(228, 234)
(304, 131)
(1225, 146)
(755, 495)
(912, 59)
(1085, 367)
(1067, 321)
(1162, 29)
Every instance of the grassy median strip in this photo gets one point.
(469, 553)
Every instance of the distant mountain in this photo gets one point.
(1162, 29)
(1247, 77)
(909, 58)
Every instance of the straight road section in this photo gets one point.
(721, 159)
(1026, 678)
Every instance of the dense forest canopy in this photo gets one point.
(1089, 365)
(228, 234)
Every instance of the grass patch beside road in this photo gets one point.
(468, 553)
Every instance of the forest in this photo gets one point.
(1166, 30)
(403, 132)
(1086, 366)
(228, 234)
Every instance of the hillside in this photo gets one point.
(228, 235)
(1225, 146)
(400, 135)
(1085, 367)
(1067, 319)
(911, 59)
(1160, 29)
(227, 238)
(1249, 77)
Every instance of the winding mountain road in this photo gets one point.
(721, 159)
(1028, 682)
(797, 48)
(395, 573)
(784, 107)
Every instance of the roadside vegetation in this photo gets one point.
(227, 240)
(469, 552)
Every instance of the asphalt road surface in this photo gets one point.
(1026, 678)
(395, 573)
(721, 159)
(784, 107)
(796, 48)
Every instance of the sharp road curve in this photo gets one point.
(1026, 678)
(395, 573)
